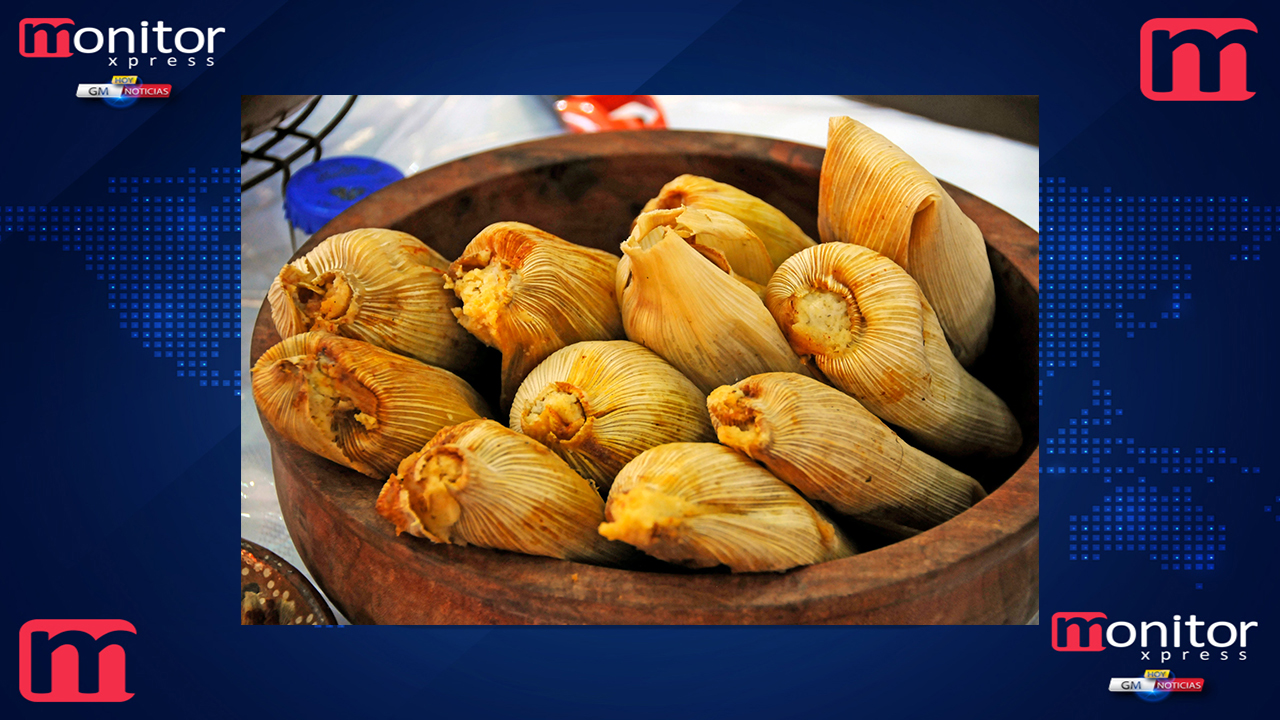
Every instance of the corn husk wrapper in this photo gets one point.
(830, 448)
(708, 325)
(875, 195)
(529, 293)
(720, 237)
(702, 505)
(599, 404)
(380, 286)
(480, 483)
(865, 324)
(356, 404)
(781, 237)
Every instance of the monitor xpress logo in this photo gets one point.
(1196, 58)
(1084, 632)
(126, 47)
(74, 660)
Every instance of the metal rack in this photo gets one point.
(286, 129)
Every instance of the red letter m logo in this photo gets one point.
(1196, 58)
(74, 660)
(40, 37)
(1076, 632)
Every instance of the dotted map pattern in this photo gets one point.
(166, 250)
(1115, 267)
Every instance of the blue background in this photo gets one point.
(119, 472)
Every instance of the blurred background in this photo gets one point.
(1016, 117)
(987, 145)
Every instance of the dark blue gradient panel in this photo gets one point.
(121, 473)
(1157, 493)
(1158, 490)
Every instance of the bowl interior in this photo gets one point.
(587, 189)
(592, 201)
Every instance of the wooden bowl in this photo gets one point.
(980, 567)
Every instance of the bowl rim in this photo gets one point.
(999, 525)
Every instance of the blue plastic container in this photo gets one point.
(320, 191)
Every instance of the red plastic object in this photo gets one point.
(598, 113)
